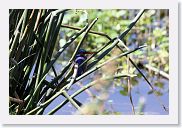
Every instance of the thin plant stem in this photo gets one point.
(121, 36)
(60, 52)
(85, 88)
(150, 85)
(105, 63)
(160, 72)
(78, 47)
(71, 100)
(91, 32)
(130, 86)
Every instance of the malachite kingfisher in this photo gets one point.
(81, 56)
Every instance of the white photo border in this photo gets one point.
(173, 116)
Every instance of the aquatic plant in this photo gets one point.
(33, 42)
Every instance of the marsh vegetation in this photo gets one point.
(130, 52)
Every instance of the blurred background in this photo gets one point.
(151, 29)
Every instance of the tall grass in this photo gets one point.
(33, 36)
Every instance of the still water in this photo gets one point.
(116, 102)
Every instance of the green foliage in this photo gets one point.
(40, 39)
(123, 92)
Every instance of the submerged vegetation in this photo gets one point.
(128, 45)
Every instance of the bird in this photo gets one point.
(79, 67)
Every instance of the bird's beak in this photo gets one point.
(89, 52)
